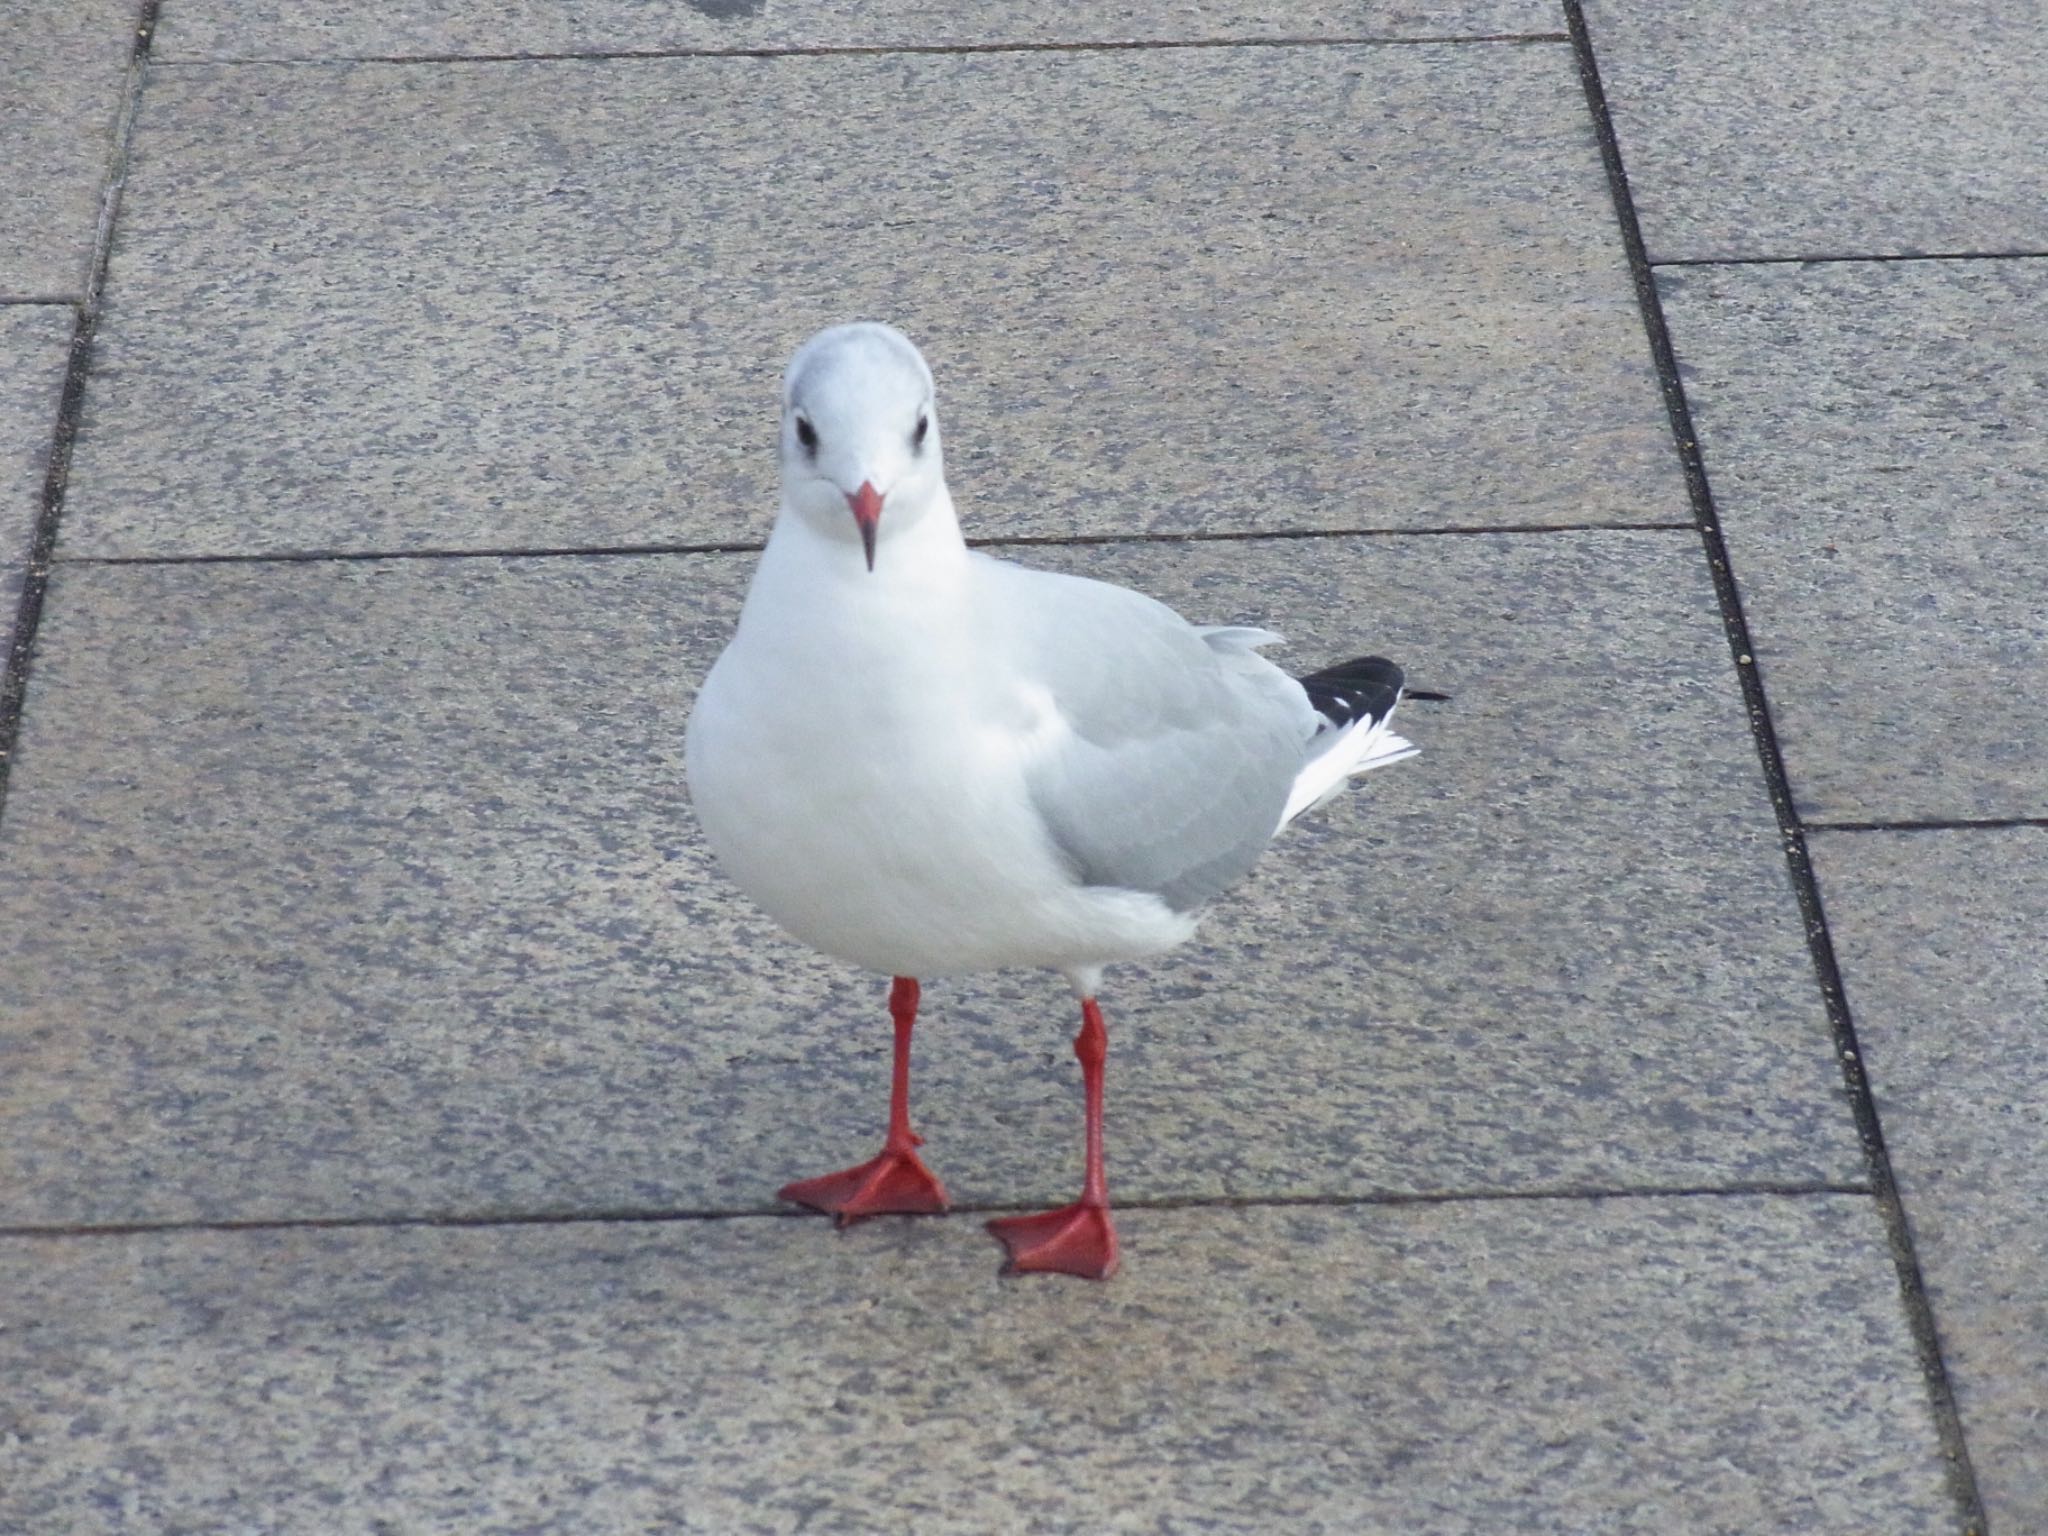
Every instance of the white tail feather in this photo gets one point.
(1359, 748)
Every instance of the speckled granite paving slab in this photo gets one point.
(35, 343)
(548, 304)
(270, 29)
(1717, 1365)
(1939, 935)
(1842, 127)
(62, 70)
(343, 889)
(1875, 436)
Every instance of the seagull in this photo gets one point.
(927, 761)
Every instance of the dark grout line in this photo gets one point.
(1846, 257)
(1820, 943)
(373, 556)
(1930, 824)
(1232, 536)
(1017, 541)
(70, 406)
(1542, 1194)
(629, 1216)
(34, 300)
(874, 50)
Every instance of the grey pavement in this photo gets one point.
(1760, 131)
(66, 69)
(1878, 437)
(1630, 1365)
(35, 350)
(433, 29)
(389, 893)
(1941, 936)
(1623, 1118)
(433, 307)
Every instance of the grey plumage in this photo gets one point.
(1173, 791)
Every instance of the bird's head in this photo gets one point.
(860, 435)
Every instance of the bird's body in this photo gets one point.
(935, 761)
(906, 779)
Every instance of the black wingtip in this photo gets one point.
(1366, 687)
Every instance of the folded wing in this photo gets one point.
(1180, 746)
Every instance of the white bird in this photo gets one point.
(927, 761)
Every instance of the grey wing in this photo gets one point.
(1181, 747)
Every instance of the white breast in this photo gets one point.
(860, 776)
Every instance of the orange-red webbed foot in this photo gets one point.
(1077, 1239)
(893, 1183)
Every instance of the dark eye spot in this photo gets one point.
(924, 425)
(807, 435)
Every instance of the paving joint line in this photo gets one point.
(35, 582)
(875, 50)
(1846, 258)
(681, 1215)
(1820, 943)
(1930, 824)
(745, 547)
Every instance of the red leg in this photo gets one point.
(896, 1181)
(1077, 1239)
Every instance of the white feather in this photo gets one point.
(1238, 637)
(1359, 748)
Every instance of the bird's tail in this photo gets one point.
(1356, 700)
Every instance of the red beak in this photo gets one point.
(867, 511)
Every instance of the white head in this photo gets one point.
(859, 433)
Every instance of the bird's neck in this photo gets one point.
(920, 558)
(811, 583)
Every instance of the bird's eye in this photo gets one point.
(924, 425)
(807, 434)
